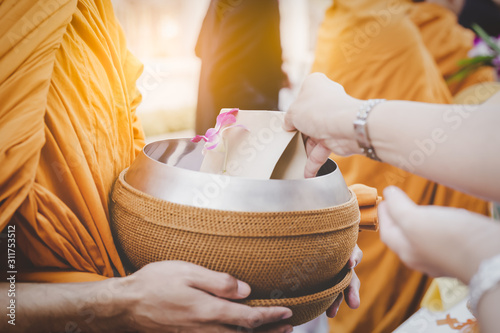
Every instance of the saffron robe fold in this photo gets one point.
(375, 50)
(68, 127)
(448, 43)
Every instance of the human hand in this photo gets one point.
(324, 113)
(436, 240)
(351, 293)
(175, 296)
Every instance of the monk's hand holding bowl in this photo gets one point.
(175, 296)
(351, 293)
(324, 113)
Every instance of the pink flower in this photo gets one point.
(496, 64)
(477, 40)
(480, 49)
(213, 136)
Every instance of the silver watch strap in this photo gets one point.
(361, 130)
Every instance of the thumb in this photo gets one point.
(398, 205)
(317, 157)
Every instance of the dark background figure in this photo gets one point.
(485, 13)
(240, 49)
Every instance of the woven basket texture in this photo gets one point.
(289, 259)
(306, 308)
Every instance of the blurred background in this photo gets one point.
(163, 35)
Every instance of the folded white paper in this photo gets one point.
(260, 150)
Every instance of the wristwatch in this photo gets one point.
(361, 129)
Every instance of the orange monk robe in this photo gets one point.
(448, 42)
(68, 127)
(374, 50)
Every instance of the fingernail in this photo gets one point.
(289, 330)
(243, 289)
(287, 315)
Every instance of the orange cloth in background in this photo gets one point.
(368, 200)
(448, 42)
(50, 276)
(367, 196)
(375, 50)
(68, 127)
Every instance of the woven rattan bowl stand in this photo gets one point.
(292, 259)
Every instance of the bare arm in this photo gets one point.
(488, 310)
(455, 145)
(451, 144)
(65, 307)
(167, 296)
(442, 241)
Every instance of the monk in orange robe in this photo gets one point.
(68, 128)
(448, 42)
(386, 49)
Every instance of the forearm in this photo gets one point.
(488, 310)
(85, 307)
(482, 245)
(475, 240)
(450, 144)
(455, 145)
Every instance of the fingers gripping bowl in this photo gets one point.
(288, 239)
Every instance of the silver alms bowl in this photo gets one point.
(168, 170)
(288, 239)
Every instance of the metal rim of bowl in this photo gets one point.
(167, 170)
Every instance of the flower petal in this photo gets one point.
(212, 146)
(198, 138)
(477, 40)
(232, 126)
(216, 139)
(226, 118)
(211, 134)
